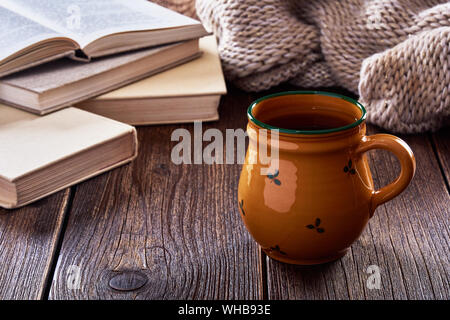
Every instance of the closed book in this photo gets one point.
(42, 155)
(60, 83)
(189, 92)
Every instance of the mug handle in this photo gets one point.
(407, 162)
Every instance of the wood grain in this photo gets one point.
(441, 140)
(155, 230)
(407, 239)
(28, 240)
(176, 224)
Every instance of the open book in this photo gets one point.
(186, 93)
(34, 31)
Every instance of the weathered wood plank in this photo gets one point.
(173, 232)
(407, 239)
(441, 140)
(160, 230)
(28, 240)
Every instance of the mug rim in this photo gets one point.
(307, 132)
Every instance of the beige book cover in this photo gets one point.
(202, 76)
(42, 155)
(60, 83)
(38, 31)
(186, 93)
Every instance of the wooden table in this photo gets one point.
(156, 230)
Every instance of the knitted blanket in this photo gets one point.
(393, 53)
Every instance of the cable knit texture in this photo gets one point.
(394, 53)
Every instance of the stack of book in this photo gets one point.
(75, 76)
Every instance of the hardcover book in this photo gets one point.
(58, 84)
(42, 155)
(187, 93)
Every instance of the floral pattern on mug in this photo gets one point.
(241, 206)
(280, 187)
(276, 249)
(274, 176)
(348, 168)
(316, 226)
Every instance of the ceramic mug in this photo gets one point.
(320, 196)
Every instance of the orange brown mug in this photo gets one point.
(315, 201)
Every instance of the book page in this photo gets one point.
(87, 20)
(18, 32)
